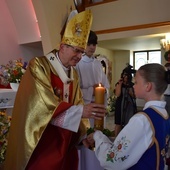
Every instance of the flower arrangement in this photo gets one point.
(4, 129)
(106, 132)
(13, 71)
(111, 103)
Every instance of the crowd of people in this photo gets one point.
(55, 102)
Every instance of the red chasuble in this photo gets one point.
(62, 153)
(34, 143)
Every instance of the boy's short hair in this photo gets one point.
(92, 38)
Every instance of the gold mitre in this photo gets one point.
(77, 29)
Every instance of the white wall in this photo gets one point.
(52, 15)
(9, 44)
(121, 13)
(24, 19)
(118, 59)
(109, 54)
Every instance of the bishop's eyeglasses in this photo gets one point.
(76, 50)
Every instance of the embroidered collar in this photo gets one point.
(59, 68)
(65, 68)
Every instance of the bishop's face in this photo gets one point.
(70, 55)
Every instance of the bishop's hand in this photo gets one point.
(93, 110)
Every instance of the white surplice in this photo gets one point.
(91, 72)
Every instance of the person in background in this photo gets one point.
(125, 106)
(166, 97)
(91, 73)
(142, 143)
(167, 91)
(48, 118)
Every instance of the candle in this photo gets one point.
(99, 99)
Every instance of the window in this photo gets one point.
(144, 57)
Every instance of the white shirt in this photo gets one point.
(134, 140)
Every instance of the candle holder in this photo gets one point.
(99, 99)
